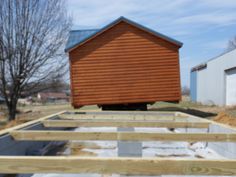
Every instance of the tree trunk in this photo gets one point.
(12, 111)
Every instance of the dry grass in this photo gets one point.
(12, 123)
(88, 145)
(77, 149)
(172, 155)
(28, 113)
(32, 112)
(80, 152)
(82, 145)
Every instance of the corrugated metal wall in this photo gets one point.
(125, 65)
(202, 88)
(193, 86)
(211, 86)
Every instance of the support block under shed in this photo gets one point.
(129, 148)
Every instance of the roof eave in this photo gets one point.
(155, 33)
(95, 34)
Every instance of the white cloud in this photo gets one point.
(215, 18)
(163, 13)
(97, 12)
(218, 3)
(221, 44)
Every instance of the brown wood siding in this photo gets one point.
(124, 65)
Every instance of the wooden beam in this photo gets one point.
(115, 123)
(78, 111)
(121, 117)
(116, 165)
(5, 131)
(121, 136)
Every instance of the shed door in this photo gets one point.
(231, 87)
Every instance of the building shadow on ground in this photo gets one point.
(194, 112)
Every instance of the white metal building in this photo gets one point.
(214, 82)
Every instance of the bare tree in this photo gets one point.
(185, 91)
(32, 37)
(232, 44)
(54, 85)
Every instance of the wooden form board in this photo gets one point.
(5, 131)
(121, 136)
(121, 117)
(146, 113)
(117, 165)
(115, 123)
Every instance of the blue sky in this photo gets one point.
(204, 26)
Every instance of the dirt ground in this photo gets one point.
(225, 115)
(224, 118)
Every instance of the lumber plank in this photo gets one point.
(116, 165)
(5, 131)
(121, 136)
(115, 123)
(121, 117)
(77, 111)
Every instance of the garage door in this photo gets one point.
(231, 87)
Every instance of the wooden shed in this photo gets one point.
(123, 63)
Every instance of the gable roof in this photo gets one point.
(79, 37)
